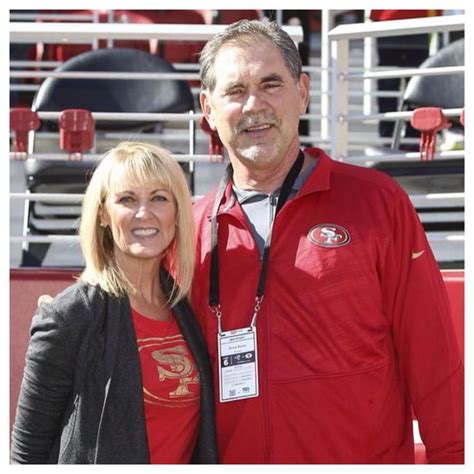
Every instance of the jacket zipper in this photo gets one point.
(273, 201)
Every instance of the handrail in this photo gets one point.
(115, 75)
(50, 16)
(433, 71)
(145, 117)
(23, 63)
(412, 26)
(92, 157)
(409, 156)
(402, 115)
(340, 37)
(130, 116)
(48, 197)
(23, 32)
(77, 198)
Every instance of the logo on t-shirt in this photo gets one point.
(174, 363)
(170, 375)
(329, 235)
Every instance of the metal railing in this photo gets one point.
(340, 37)
(79, 33)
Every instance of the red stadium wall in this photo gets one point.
(27, 285)
(25, 288)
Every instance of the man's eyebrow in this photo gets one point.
(272, 77)
(233, 84)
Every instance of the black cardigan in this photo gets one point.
(81, 398)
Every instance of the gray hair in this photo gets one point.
(246, 33)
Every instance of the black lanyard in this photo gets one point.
(284, 194)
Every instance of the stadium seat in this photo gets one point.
(63, 52)
(439, 175)
(95, 95)
(115, 95)
(226, 17)
(445, 91)
(176, 51)
(20, 52)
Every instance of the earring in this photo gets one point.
(103, 225)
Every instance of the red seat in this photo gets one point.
(226, 17)
(63, 52)
(176, 51)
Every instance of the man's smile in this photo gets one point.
(258, 128)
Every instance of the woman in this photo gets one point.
(117, 370)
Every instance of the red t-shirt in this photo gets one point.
(171, 390)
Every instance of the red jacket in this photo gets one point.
(354, 327)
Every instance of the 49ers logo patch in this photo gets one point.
(329, 235)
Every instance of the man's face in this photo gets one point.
(256, 103)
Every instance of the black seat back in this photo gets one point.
(115, 95)
(440, 175)
(446, 91)
(95, 95)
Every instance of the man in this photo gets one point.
(327, 323)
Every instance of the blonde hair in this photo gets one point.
(142, 163)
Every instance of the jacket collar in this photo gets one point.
(318, 180)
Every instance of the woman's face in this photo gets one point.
(142, 218)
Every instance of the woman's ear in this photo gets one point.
(104, 219)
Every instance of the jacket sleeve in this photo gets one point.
(430, 362)
(46, 387)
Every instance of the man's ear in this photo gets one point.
(205, 102)
(304, 88)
